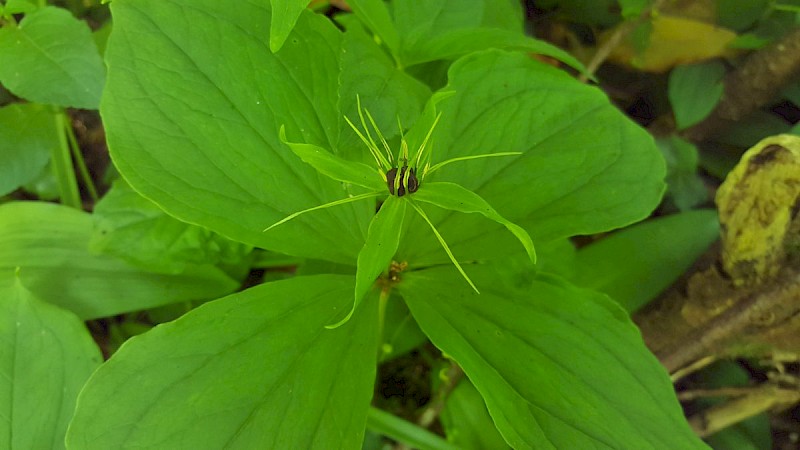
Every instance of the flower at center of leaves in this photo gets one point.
(403, 175)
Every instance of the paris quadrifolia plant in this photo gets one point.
(401, 177)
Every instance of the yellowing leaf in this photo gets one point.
(674, 41)
(756, 208)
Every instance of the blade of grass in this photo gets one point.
(63, 170)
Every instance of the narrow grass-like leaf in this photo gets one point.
(376, 255)
(454, 197)
(343, 201)
(444, 244)
(334, 167)
(404, 431)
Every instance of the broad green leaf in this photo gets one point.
(685, 188)
(284, 16)
(129, 226)
(376, 255)
(28, 133)
(49, 243)
(446, 29)
(200, 138)
(558, 366)
(633, 8)
(454, 197)
(388, 93)
(51, 58)
(467, 422)
(375, 16)
(337, 168)
(694, 91)
(635, 264)
(256, 369)
(585, 167)
(46, 355)
(18, 7)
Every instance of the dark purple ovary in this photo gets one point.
(413, 183)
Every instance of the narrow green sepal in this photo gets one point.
(438, 166)
(343, 201)
(444, 244)
(454, 197)
(334, 167)
(383, 238)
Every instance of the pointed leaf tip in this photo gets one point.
(456, 198)
(444, 244)
(334, 167)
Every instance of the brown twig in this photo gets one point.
(759, 309)
(431, 412)
(758, 400)
(622, 32)
(752, 85)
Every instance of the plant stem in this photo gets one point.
(382, 300)
(78, 158)
(617, 37)
(434, 408)
(401, 430)
(62, 165)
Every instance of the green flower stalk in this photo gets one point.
(402, 177)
